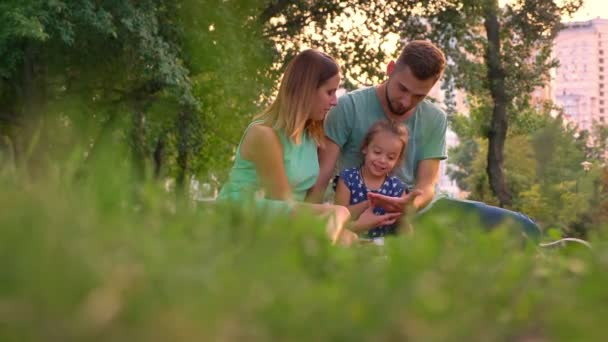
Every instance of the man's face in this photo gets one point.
(405, 91)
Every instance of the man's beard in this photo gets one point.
(390, 106)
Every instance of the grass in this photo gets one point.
(107, 260)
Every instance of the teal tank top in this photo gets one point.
(301, 166)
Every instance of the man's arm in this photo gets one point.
(328, 155)
(427, 176)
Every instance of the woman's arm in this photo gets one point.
(262, 146)
(328, 155)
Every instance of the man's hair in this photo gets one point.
(425, 60)
(290, 110)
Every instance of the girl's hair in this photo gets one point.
(291, 109)
(398, 129)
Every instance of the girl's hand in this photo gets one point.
(369, 220)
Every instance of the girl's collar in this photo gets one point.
(360, 171)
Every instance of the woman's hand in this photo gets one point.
(336, 230)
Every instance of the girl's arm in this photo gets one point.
(262, 146)
(368, 220)
(362, 213)
(343, 198)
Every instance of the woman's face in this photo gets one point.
(325, 98)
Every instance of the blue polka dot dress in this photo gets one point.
(392, 186)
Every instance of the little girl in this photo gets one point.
(383, 148)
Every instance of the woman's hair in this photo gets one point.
(398, 129)
(291, 109)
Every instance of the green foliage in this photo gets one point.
(230, 63)
(558, 152)
(109, 59)
(176, 82)
(519, 168)
(461, 158)
(544, 162)
(96, 263)
(598, 142)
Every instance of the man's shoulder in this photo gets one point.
(432, 109)
(364, 91)
(358, 95)
(353, 105)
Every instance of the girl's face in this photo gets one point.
(382, 153)
(325, 98)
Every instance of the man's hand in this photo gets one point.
(392, 204)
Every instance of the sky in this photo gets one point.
(590, 10)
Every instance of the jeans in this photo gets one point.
(488, 216)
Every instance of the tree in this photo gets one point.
(123, 55)
(174, 81)
(598, 143)
(543, 168)
(508, 58)
(230, 63)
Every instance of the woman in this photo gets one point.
(276, 161)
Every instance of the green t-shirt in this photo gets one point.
(348, 123)
(301, 167)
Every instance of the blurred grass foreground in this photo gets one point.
(101, 259)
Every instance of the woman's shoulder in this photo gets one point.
(259, 137)
(260, 132)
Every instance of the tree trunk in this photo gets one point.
(138, 141)
(28, 122)
(183, 149)
(499, 125)
(96, 144)
(159, 156)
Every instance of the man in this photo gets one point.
(402, 98)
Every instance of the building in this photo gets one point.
(445, 184)
(581, 80)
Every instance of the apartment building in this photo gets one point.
(581, 80)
